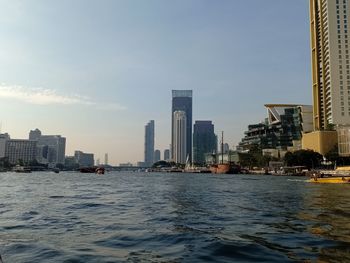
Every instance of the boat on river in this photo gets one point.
(97, 170)
(224, 167)
(330, 180)
(22, 169)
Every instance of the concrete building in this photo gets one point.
(344, 141)
(149, 143)
(166, 155)
(34, 134)
(182, 101)
(156, 156)
(204, 141)
(51, 149)
(3, 138)
(84, 159)
(20, 151)
(179, 144)
(329, 22)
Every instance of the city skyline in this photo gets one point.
(97, 81)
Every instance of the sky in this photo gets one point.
(96, 72)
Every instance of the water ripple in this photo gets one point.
(139, 217)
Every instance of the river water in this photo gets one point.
(154, 217)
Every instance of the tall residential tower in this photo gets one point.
(330, 62)
(182, 101)
(330, 72)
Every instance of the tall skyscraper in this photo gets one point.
(156, 156)
(204, 140)
(182, 101)
(330, 72)
(149, 143)
(179, 137)
(330, 62)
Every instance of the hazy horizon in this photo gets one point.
(96, 72)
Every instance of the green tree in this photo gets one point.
(307, 158)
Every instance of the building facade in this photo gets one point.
(3, 138)
(329, 24)
(23, 151)
(204, 141)
(156, 156)
(179, 144)
(51, 149)
(182, 101)
(84, 159)
(283, 127)
(149, 143)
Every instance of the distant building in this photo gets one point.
(20, 151)
(204, 141)
(141, 164)
(84, 159)
(283, 128)
(106, 158)
(182, 101)
(126, 164)
(226, 148)
(156, 156)
(166, 155)
(51, 149)
(34, 134)
(180, 137)
(70, 163)
(149, 143)
(3, 138)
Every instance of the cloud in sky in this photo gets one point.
(40, 96)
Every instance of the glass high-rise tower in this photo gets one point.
(204, 141)
(182, 101)
(149, 143)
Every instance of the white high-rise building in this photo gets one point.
(330, 62)
(179, 137)
(20, 150)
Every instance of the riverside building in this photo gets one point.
(329, 25)
(204, 141)
(179, 144)
(51, 149)
(182, 101)
(149, 144)
(282, 129)
(84, 159)
(20, 151)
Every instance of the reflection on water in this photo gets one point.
(138, 217)
(329, 213)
